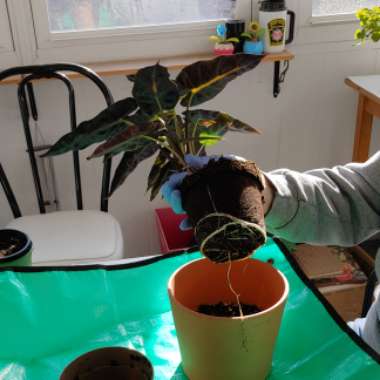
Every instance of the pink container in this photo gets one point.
(224, 49)
(171, 237)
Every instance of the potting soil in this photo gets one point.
(222, 309)
(50, 316)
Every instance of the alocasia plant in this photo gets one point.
(150, 122)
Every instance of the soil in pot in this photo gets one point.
(15, 248)
(223, 309)
(11, 241)
(225, 204)
(9, 247)
(116, 363)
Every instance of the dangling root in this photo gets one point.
(237, 296)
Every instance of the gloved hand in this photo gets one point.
(170, 189)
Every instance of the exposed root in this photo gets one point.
(237, 296)
(231, 236)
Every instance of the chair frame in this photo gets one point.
(25, 90)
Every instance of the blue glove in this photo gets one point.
(170, 189)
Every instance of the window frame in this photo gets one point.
(131, 43)
(6, 40)
(334, 28)
(333, 18)
(8, 56)
(139, 46)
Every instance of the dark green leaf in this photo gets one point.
(102, 126)
(217, 121)
(154, 91)
(203, 80)
(129, 162)
(160, 172)
(129, 140)
(161, 160)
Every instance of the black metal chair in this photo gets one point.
(62, 237)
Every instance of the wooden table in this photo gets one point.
(368, 88)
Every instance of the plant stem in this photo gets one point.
(187, 125)
(179, 133)
(194, 132)
(178, 155)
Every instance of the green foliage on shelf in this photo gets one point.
(369, 24)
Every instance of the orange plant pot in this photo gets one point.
(221, 348)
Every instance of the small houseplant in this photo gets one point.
(223, 201)
(148, 122)
(369, 24)
(254, 39)
(222, 44)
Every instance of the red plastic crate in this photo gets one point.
(171, 237)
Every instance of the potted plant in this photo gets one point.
(369, 24)
(223, 201)
(15, 248)
(150, 122)
(254, 39)
(116, 363)
(223, 45)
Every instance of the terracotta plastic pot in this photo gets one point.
(116, 363)
(221, 348)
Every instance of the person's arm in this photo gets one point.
(325, 206)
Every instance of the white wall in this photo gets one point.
(310, 125)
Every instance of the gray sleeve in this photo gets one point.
(327, 206)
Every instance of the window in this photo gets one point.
(69, 15)
(338, 7)
(111, 30)
(328, 21)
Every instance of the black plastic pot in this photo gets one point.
(19, 246)
(116, 363)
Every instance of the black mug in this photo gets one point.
(234, 28)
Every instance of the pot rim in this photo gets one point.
(282, 299)
(23, 251)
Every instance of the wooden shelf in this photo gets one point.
(174, 63)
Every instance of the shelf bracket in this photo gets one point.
(279, 76)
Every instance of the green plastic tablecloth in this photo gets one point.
(50, 316)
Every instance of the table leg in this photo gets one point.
(363, 132)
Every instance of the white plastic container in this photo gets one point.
(273, 16)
